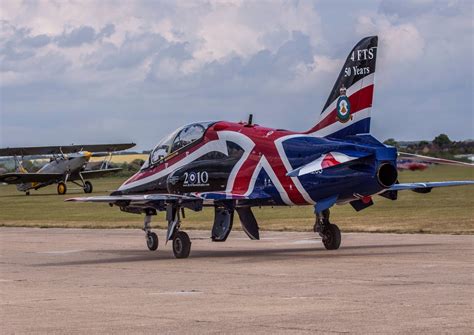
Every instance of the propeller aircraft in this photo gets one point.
(233, 167)
(67, 164)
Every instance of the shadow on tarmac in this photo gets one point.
(255, 255)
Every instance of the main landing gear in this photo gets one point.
(62, 188)
(330, 233)
(181, 240)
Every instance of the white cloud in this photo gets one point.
(399, 43)
(137, 61)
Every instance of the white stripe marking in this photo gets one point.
(362, 83)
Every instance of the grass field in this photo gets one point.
(446, 210)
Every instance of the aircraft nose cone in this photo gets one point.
(87, 154)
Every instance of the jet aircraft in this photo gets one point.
(67, 164)
(233, 167)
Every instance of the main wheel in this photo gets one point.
(332, 237)
(87, 187)
(181, 245)
(152, 241)
(62, 188)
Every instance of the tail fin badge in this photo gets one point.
(343, 106)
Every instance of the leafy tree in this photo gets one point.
(391, 142)
(442, 140)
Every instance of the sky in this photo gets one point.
(120, 71)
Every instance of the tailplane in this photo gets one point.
(347, 109)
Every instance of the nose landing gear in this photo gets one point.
(181, 240)
(330, 233)
(151, 237)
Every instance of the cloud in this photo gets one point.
(83, 35)
(135, 70)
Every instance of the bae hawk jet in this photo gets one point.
(66, 164)
(236, 166)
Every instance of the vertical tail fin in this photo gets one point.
(347, 110)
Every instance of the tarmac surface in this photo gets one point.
(106, 281)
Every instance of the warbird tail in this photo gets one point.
(347, 110)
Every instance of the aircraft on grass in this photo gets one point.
(67, 164)
(236, 166)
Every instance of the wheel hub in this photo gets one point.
(178, 245)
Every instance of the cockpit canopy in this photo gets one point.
(180, 138)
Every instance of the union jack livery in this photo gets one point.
(236, 166)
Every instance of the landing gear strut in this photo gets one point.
(329, 232)
(151, 237)
(181, 240)
(84, 184)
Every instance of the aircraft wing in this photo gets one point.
(66, 149)
(98, 173)
(21, 178)
(168, 197)
(134, 199)
(231, 196)
(426, 187)
(427, 159)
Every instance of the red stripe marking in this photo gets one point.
(265, 145)
(359, 100)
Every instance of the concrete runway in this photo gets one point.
(106, 281)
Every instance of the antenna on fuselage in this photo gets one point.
(249, 123)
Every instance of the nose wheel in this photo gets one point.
(181, 240)
(151, 237)
(152, 241)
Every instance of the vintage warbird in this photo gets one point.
(235, 166)
(67, 164)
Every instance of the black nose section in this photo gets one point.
(387, 174)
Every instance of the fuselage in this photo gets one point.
(250, 160)
(71, 165)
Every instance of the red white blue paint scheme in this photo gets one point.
(236, 166)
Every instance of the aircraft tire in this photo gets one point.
(332, 237)
(62, 188)
(27, 193)
(152, 241)
(181, 245)
(88, 187)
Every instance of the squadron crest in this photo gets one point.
(343, 106)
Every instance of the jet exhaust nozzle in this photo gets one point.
(387, 175)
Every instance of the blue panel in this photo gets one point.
(263, 184)
(360, 127)
(324, 204)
